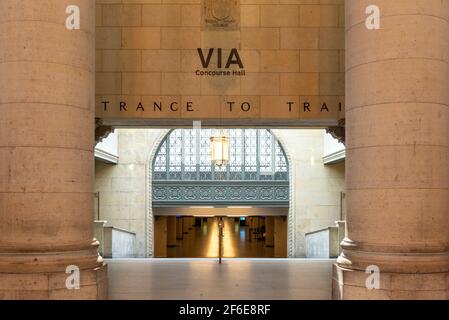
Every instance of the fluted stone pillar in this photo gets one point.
(46, 151)
(397, 112)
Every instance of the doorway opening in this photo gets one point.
(189, 193)
(198, 237)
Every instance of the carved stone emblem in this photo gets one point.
(220, 14)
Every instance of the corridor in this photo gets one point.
(203, 279)
(202, 242)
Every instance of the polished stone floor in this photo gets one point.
(183, 279)
(202, 242)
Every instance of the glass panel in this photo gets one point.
(186, 153)
(175, 156)
(266, 155)
(205, 164)
(190, 153)
(280, 164)
(250, 154)
(236, 154)
(160, 163)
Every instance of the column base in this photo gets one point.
(348, 284)
(52, 286)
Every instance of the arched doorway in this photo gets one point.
(253, 191)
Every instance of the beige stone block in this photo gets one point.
(141, 83)
(117, 106)
(398, 84)
(23, 120)
(392, 230)
(51, 13)
(98, 15)
(220, 85)
(392, 175)
(250, 15)
(190, 61)
(180, 38)
(320, 15)
(220, 39)
(31, 282)
(119, 60)
(310, 61)
(49, 175)
(250, 59)
(432, 8)
(180, 83)
(279, 15)
(158, 107)
(332, 83)
(98, 60)
(161, 15)
(430, 127)
(260, 38)
(343, 108)
(310, 15)
(141, 38)
(299, 38)
(311, 107)
(240, 107)
(108, 38)
(121, 15)
(342, 61)
(260, 84)
(329, 61)
(280, 61)
(191, 15)
(322, 107)
(100, 2)
(320, 61)
(299, 84)
(331, 16)
(108, 83)
(161, 61)
(44, 208)
(332, 38)
(279, 107)
(30, 39)
(405, 48)
(194, 107)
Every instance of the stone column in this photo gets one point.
(185, 224)
(46, 151)
(171, 231)
(179, 233)
(397, 111)
(269, 231)
(280, 237)
(160, 236)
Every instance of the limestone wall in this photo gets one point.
(316, 187)
(124, 188)
(292, 53)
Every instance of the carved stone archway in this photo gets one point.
(291, 223)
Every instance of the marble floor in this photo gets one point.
(202, 242)
(197, 279)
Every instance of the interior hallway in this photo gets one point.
(202, 242)
(198, 279)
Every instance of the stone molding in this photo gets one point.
(338, 132)
(101, 131)
(291, 222)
